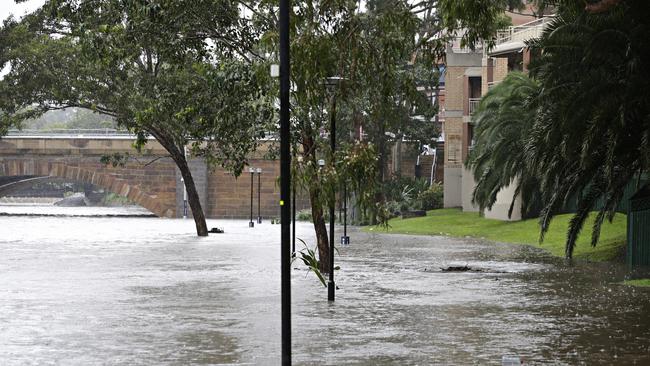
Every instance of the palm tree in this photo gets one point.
(592, 131)
(503, 120)
(579, 128)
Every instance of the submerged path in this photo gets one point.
(145, 291)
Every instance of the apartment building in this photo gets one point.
(469, 75)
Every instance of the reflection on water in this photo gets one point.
(83, 290)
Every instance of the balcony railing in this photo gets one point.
(473, 105)
(457, 48)
(524, 31)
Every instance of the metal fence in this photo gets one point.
(638, 229)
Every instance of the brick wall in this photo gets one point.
(409, 160)
(229, 197)
(157, 186)
(454, 88)
(500, 68)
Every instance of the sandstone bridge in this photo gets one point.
(152, 181)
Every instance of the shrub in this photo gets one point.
(403, 188)
(432, 198)
(304, 215)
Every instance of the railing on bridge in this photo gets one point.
(79, 132)
(75, 131)
(90, 133)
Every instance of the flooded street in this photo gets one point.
(144, 291)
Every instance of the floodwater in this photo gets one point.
(145, 291)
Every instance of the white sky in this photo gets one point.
(8, 7)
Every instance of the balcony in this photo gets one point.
(473, 105)
(514, 38)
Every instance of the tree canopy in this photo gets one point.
(382, 57)
(177, 71)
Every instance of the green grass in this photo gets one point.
(645, 282)
(454, 222)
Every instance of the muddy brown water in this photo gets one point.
(143, 291)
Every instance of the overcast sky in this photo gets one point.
(8, 7)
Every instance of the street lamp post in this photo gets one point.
(250, 222)
(184, 198)
(293, 219)
(345, 239)
(293, 211)
(332, 82)
(184, 187)
(259, 195)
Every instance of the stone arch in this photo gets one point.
(8, 186)
(120, 186)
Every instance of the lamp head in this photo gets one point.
(333, 82)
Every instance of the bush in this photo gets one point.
(405, 194)
(393, 208)
(432, 198)
(304, 215)
(402, 189)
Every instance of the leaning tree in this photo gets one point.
(179, 71)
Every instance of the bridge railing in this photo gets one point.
(80, 132)
(94, 133)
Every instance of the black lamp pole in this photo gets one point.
(250, 222)
(285, 182)
(331, 287)
(293, 218)
(259, 195)
(345, 239)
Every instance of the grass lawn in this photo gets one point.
(454, 222)
(641, 283)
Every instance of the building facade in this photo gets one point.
(469, 75)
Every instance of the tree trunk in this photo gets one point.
(193, 198)
(320, 229)
(315, 191)
(178, 155)
(381, 169)
(398, 157)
